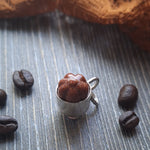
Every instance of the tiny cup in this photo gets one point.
(76, 110)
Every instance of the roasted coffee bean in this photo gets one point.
(23, 79)
(128, 96)
(7, 125)
(3, 97)
(128, 120)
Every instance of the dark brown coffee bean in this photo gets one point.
(3, 97)
(128, 96)
(7, 125)
(128, 120)
(23, 79)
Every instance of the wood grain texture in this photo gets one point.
(52, 45)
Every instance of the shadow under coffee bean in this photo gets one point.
(23, 79)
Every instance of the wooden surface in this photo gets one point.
(52, 45)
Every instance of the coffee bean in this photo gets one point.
(128, 120)
(7, 125)
(3, 97)
(23, 79)
(128, 96)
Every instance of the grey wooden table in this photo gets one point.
(52, 45)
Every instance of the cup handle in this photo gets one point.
(94, 79)
(94, 99)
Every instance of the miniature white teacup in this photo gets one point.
(75, 110)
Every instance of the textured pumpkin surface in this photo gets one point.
(101, 11)
(19, 8)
